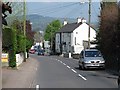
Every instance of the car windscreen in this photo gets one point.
(92, 54)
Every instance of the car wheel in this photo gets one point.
(79, 67)
(119, 87)
(83, 67)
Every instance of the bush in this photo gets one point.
(10, 44)
(20, 43)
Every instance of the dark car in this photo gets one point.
(119, 82)
(40, 52)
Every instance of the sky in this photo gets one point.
(68, 0)
(64, 9)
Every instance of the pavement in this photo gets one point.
(20, 77)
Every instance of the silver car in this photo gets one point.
(91, 58)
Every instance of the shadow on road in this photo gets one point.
(99, 73)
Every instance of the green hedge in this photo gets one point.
(6, 39)
(14, 42)
(10, 44)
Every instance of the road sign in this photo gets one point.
(4, 57)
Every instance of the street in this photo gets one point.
(57, 72)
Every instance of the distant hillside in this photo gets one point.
(39, 22)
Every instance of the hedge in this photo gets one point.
(10, 44)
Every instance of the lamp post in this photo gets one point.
(24, 8)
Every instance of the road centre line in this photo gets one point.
(73, 70)
(37, 87)
(82, 77)
(61, 62)
(68, 67)
(64, 64)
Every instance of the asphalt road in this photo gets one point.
(59, 72)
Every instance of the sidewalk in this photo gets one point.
(21, 77)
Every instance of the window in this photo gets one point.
(75, 40)
(92, 54)
(76, 32)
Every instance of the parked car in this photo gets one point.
(40, 52)
(91, 58)
(32, 51)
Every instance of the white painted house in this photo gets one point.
(73, 37)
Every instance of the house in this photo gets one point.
(73, 37)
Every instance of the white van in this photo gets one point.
(91, 58)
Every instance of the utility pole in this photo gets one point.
(89, 23)
(24, 9)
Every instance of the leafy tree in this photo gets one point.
(50, 31)
(21, 39)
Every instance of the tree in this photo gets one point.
(50, 31)
(38, 37)
(107, 35)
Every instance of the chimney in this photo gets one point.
(83, 20)
(65, 22)
(79, 20)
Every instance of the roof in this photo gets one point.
(69, 27)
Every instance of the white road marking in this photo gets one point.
(64, 64)
(37, 87)
(82, 77)
(73, 70)
(61, 62)
(68, 67)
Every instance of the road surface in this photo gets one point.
(59, 72)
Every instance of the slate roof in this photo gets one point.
(68, 28)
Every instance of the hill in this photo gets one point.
(39, 22)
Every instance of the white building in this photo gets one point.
(73, 37)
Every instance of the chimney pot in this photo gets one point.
(65, 22)
(79, 20)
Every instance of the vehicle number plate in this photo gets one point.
(95, 64)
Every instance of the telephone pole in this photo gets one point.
(24, 9)
(89, 11)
